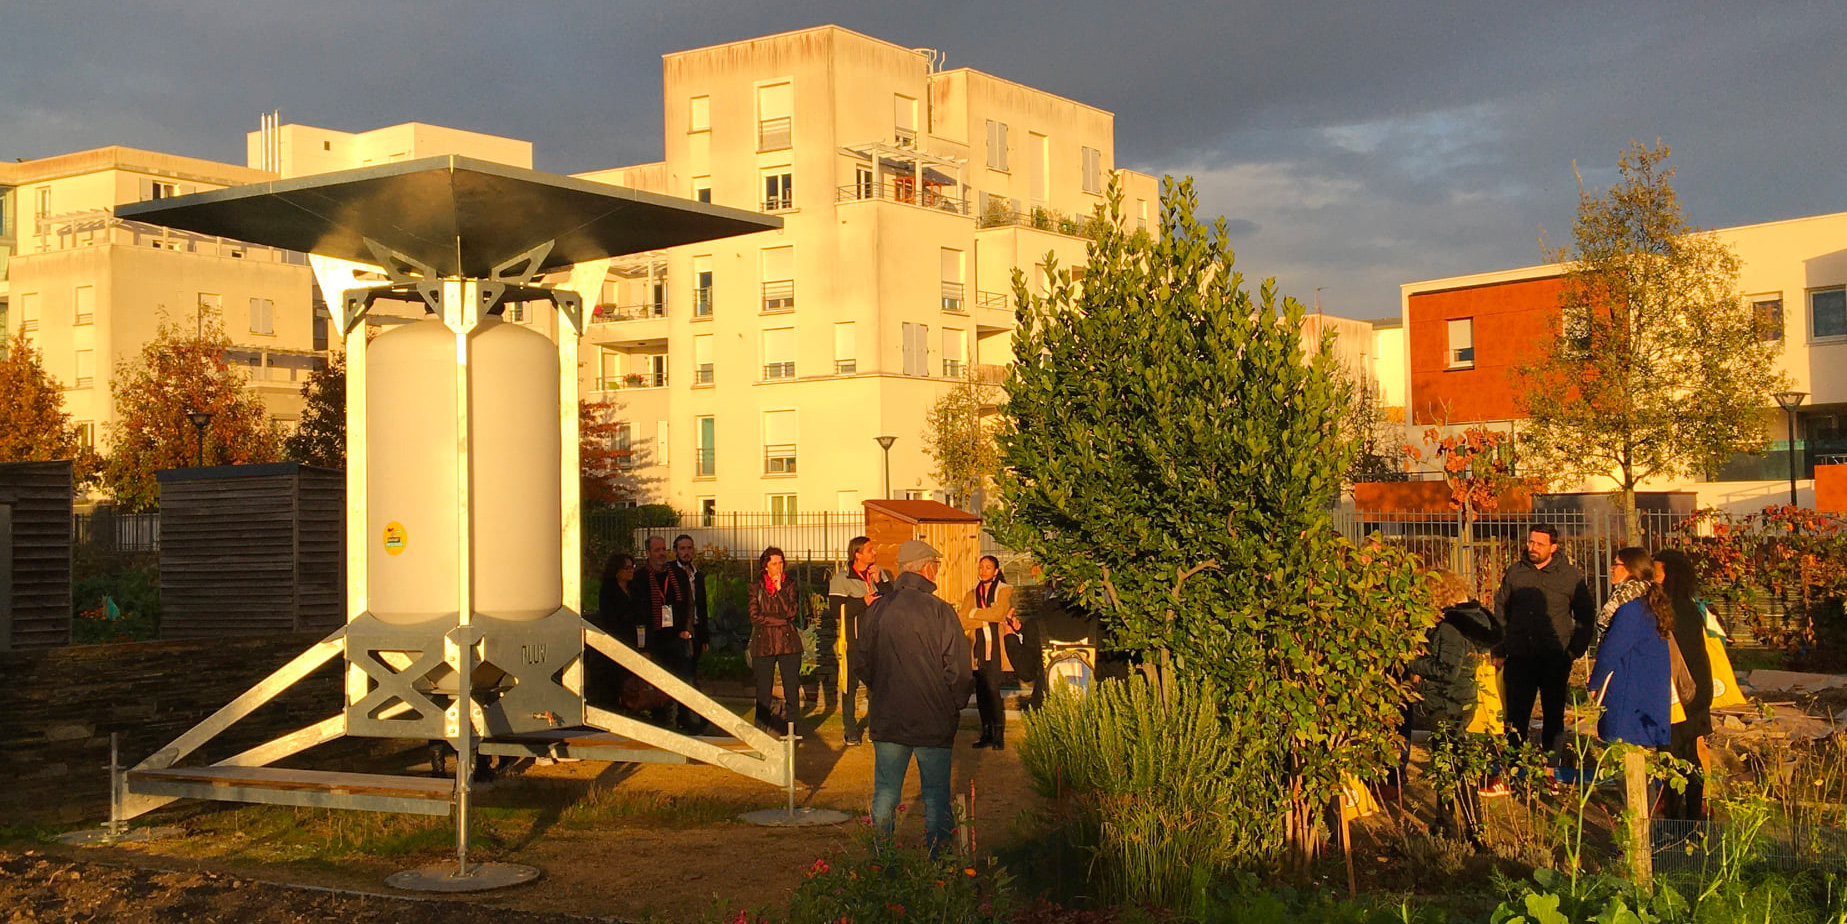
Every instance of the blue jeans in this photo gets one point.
(890, 762)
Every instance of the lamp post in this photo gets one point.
(200, 420)
(1789, 401)
(885, 444)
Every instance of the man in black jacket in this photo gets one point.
(1551, 621)
(915, 661)
(849, 593)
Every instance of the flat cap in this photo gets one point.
(916, 550)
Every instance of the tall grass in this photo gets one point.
(1157, 789)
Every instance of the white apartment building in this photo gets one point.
(756, 373)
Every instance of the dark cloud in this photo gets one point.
(1355, 147)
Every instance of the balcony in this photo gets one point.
(774, 134)
(705, 462)
(607, 314)
(990, 374)
(953, 298)
(904, 137)
(779, 296)
(953, 368)
(846, 366)
(773, 371)
(902, 189)
(632, 380)
(992, 301)
(702, 302)
(779, 460)
(1001, 213)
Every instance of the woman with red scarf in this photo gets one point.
(987, 616)
(775, 642)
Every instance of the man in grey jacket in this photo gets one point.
(915, 661)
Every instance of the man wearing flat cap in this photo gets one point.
(915, 661)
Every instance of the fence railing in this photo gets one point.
(117, 532)
(816, 537)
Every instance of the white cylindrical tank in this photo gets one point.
(518, 559)
(411, 473)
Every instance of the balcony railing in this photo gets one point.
(702, 374)
(702, 302)
(603, 314)
(904, 137)
(846, 366)
(632, 380)
(953, 297)
(1001, 213)
(901, 190)
(990, 374)
(779, 202)
(774, 134)
(952, 368)
(993, 300)
(779, 370)
(779, 296)
(705, 462)
(779, 460)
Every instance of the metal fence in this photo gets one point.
(117, 532)
(805, 537)
(1482, 549)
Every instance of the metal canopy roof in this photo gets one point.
(457, 215)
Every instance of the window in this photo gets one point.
(916, 349)
(844, 352)
(955, 346)
(708, 510)
(661, 442)
(779, 442)
(86, 305)
(916, 494)
(1093, 170)
(28, 311)
(44, 202)
(702, 189)
(778, 278)
(782, 509)
(702, 287)
(775, 107)
(862, 183)
(156, 189)
(86, 434)
(702, 359)
(904, 121)
(779, 353)
(778, 189)
(953, 294)
(86, 368)
(1461, 343)
(705, 434)
(622, 446)
(656, 374)
(1041, 148)
(1828, 313)
(262, 316)
(1767, 316)
(997, 145)
(699, 114)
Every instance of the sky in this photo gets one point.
(1351, 146)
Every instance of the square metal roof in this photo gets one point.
(459, 216)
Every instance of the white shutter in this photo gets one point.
(778, 428)
(843, 341)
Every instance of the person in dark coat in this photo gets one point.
(1681, 585)
(619, 612)
(1550, 622)
(1445, 672)
(694, 583)
(669, 617)
(849, 593)
(916, 664)
(1633, 674)
(775, 641)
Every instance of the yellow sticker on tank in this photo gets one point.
(395, 538)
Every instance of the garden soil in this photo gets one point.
(680, 856)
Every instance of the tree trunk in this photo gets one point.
(1632, 522)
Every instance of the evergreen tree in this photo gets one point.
(321, 437)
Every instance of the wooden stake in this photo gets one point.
(1635, 796)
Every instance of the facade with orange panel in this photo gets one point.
(1466, 336)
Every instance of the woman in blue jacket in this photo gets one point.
(1633, 671)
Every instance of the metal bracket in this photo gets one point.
(403, 270)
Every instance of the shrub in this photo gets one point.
(898, 883)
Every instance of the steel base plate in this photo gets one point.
(800, 818)
(481, 877)
(91, 837)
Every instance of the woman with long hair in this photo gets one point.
(1681, 585)
(775, 642)
(618, 612)
(987, 616)
(1633, 676)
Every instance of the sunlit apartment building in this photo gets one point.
(757, 373)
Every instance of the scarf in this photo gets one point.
(1619, 595)
(984, 593)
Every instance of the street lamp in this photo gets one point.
(885, 444)
(1789, 401)
(200, 420)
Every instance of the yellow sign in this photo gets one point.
(395, 538)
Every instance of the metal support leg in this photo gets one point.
(788, 755)
(116, 823)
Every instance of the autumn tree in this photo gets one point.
(34, 426)
(321, 437)
(606, 454)
(960, 439)
(1657, 370)
(179, 372)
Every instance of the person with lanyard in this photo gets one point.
(670, 626)
(987, 616)
(694, 584)
(775, 641)
(849, 593)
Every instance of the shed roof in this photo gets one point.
(922, 511)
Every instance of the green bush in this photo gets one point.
(136, 595)
(1156, 788)
(897, 883)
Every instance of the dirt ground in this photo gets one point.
(629, 842)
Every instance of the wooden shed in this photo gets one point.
(251, 550)
(35, 554)
(955, 533)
